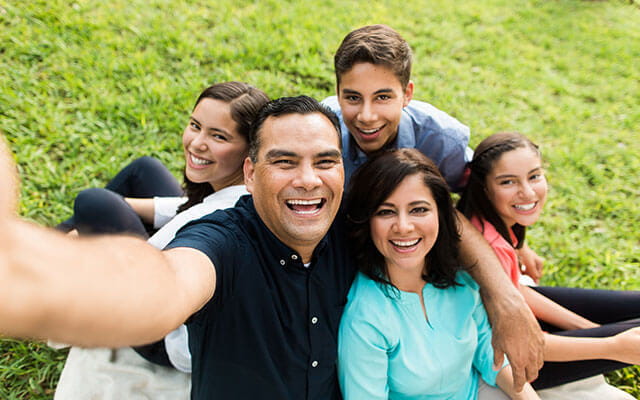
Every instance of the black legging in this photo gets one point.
(615, 311)
(98, 211)
(103, 211)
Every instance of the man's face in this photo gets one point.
(371, 98)
(297, 179)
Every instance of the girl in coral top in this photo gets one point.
(589, 331)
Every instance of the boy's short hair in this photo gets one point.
(375, 44)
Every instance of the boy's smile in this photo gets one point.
(371, 98)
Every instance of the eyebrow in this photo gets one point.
(212, 128)
(383, 90)
(413, 203)
(275, 153)
(512, 175)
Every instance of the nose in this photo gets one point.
(307, 177)
(199, 143)
(527, 190)
(367, 112)
(403, 223)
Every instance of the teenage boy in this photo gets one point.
(375, 107)
(376, 112)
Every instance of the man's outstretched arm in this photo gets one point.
(516, 332)
(100, 291)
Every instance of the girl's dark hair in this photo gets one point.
(244, 101)
(474, 200)
(372, 184)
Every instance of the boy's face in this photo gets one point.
(371, 98)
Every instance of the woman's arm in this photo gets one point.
(143, 207)
(553, 313)
(505, 382)
(623, 347)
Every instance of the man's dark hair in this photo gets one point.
(285, 106)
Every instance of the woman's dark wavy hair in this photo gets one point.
(244, 101)
(372, 184)
(474, 200)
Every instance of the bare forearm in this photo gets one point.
(553, 313)
(99, 291)
(504, 381)
(145, 208)
(565, 348)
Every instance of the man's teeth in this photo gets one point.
(199, 161)
(405, 243)
(304, 202)
(524, 207)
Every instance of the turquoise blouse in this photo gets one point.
(388, 350)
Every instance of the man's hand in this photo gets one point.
(516, 333)
(8, 180)
(532, 262)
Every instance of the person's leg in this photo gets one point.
(558, 373)
(599, 306)
(143, 178)
(101, 211)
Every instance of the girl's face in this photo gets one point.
(214, 151)
(405, 226)
(516, 186)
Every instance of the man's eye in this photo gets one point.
(384, 97)
(326, 163)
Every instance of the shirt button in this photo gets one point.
(314, 320)
(294, 257)
(314, 364)
(281, 262)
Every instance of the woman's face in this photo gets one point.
(214, 151)
(516, 186)
(405, 226)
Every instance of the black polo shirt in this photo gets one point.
(270, 331)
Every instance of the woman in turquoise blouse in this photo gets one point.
(414, 326)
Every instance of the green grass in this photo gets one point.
(86, 86)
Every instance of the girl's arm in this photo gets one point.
(553, 313)
(532, 262)
(623, 347)
(143, 207)
(505, 382)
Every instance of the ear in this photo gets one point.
(408, 94)
(249, 170)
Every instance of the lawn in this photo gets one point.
(87, 86)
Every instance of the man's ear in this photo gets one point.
(408, 94)
(248, 169)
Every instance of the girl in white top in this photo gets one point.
(215, 144)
